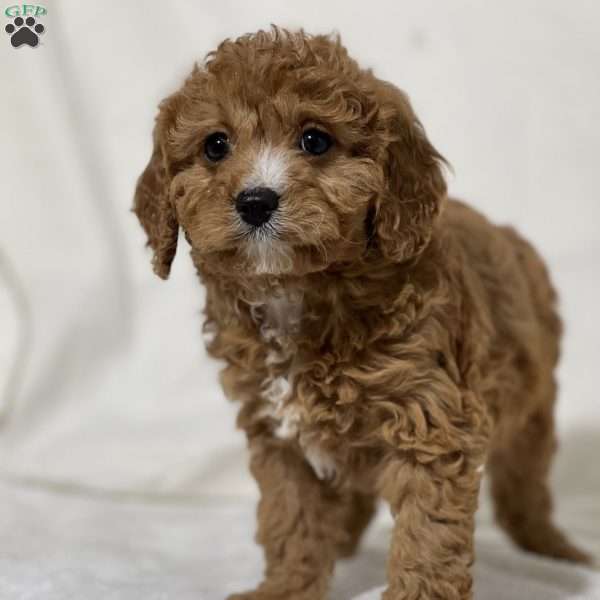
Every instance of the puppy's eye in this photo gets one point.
(314, 141)
(216, 146)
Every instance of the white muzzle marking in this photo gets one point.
(269, 170)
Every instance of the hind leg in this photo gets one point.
(519, 465)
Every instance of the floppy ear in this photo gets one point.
(153, 206)
(405, 213)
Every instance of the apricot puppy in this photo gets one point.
(381, 340)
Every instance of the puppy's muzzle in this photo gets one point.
(255, 206)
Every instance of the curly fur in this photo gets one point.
(382, 341)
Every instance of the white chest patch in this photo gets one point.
(321, 462)
(277, 392)
(279, 319)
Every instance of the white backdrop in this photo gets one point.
(109, 401)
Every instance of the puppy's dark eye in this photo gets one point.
(314, 141)
(216, 146)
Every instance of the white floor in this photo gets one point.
(61, 543)
(122, 476)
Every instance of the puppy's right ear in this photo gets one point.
(152, 203)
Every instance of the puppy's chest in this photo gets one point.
(279, 319)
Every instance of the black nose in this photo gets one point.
(257, 205)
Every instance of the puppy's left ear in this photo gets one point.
(406, 212)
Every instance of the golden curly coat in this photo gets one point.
(382, 340)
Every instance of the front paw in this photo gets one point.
(245, 596)
(256, 595)
(276, 593)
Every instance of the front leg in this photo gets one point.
(298, 524)
(433, 503)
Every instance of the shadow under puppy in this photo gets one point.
(382, 340)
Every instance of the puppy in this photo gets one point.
(382, 341)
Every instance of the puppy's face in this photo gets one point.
(281, 157)
(269, 183)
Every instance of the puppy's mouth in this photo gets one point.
(269, 258)
(263, 251)
(266, 240)
(260, 225)
(268, 232)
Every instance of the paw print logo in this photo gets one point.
(24, 31)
